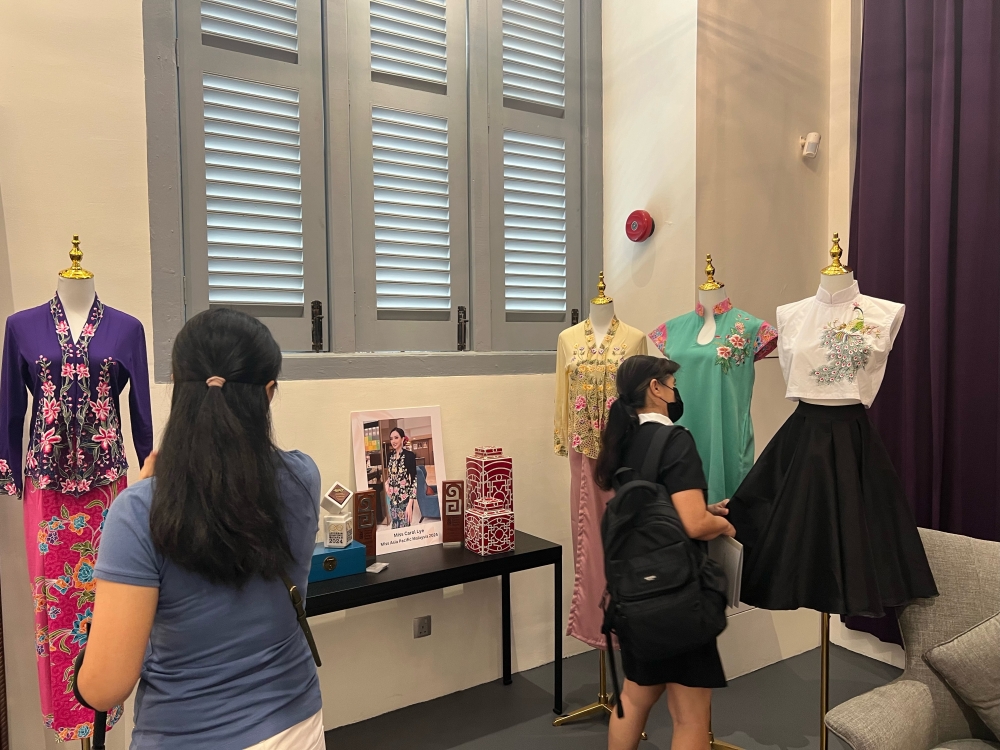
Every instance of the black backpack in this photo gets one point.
(665, 596)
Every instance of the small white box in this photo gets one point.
(338, 530)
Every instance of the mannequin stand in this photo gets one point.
(100, 729)
(720, 745)
(824, 678)
(715, 744)
(602, 707)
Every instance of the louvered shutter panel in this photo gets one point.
(534, 222)
(534, 52)
(271, 23)
(412, 229)
(253, 192)
(409, 40)
(253, 177)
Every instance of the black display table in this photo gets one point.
(428, 568)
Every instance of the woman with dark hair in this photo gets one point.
(648, 398)
(401, 480)
(191, 563)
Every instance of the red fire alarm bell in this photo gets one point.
(639, 225)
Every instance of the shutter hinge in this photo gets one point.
(317, 325)
(574, 316)
(463, 328)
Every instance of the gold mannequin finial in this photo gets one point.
(710, 283)
(601, 298)
(75, 271)
(836, 268)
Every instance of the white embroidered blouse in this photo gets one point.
(835, 346)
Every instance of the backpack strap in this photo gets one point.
(651, 463)
(300, 615)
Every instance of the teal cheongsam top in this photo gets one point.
(716, 382)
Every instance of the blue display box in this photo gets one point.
(330, 563)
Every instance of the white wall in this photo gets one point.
(650, 56)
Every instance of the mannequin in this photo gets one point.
(588, 356)
(76, 291)
(834, 278)
(822, 515)
(75, 357)
(716, 346)
(710, 294)
(602, 310)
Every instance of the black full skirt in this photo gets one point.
(824, 520)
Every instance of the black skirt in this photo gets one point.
(824, 520)
(700, 668)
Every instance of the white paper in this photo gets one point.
(729, 554)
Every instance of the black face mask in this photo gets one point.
(675, 408)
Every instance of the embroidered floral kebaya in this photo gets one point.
(716, 380)
(585, 382)
(835, 346)
(75, 466)
(75, 441)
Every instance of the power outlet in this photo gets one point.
(421, 626)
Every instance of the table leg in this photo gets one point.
(505, 625)
(557, 650)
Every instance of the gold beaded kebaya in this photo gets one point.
(76, 271)
(710, 283)
(601, 298)
(836, 268)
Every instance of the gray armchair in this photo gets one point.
(919, 711)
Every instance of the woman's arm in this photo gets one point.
(119, 634)
(698, 522)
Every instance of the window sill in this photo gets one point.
(327, 366)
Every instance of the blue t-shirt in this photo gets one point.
(226, 667)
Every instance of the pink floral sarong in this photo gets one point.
(62, 533)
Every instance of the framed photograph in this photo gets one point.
(399, 455)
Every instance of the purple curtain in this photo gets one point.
(925, 230)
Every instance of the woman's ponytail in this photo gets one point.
(633, 379)
(216, 508)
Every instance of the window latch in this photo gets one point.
(463, 329)
(574, 316)
(317, 325)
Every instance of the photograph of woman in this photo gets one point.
(401, 480)
(399, 454)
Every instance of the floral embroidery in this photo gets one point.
(848, 347)
(7, 478)
(737, 349)
(765, 342)
(720, 309)
(659, 337)
(76, 441)
(592, 388)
